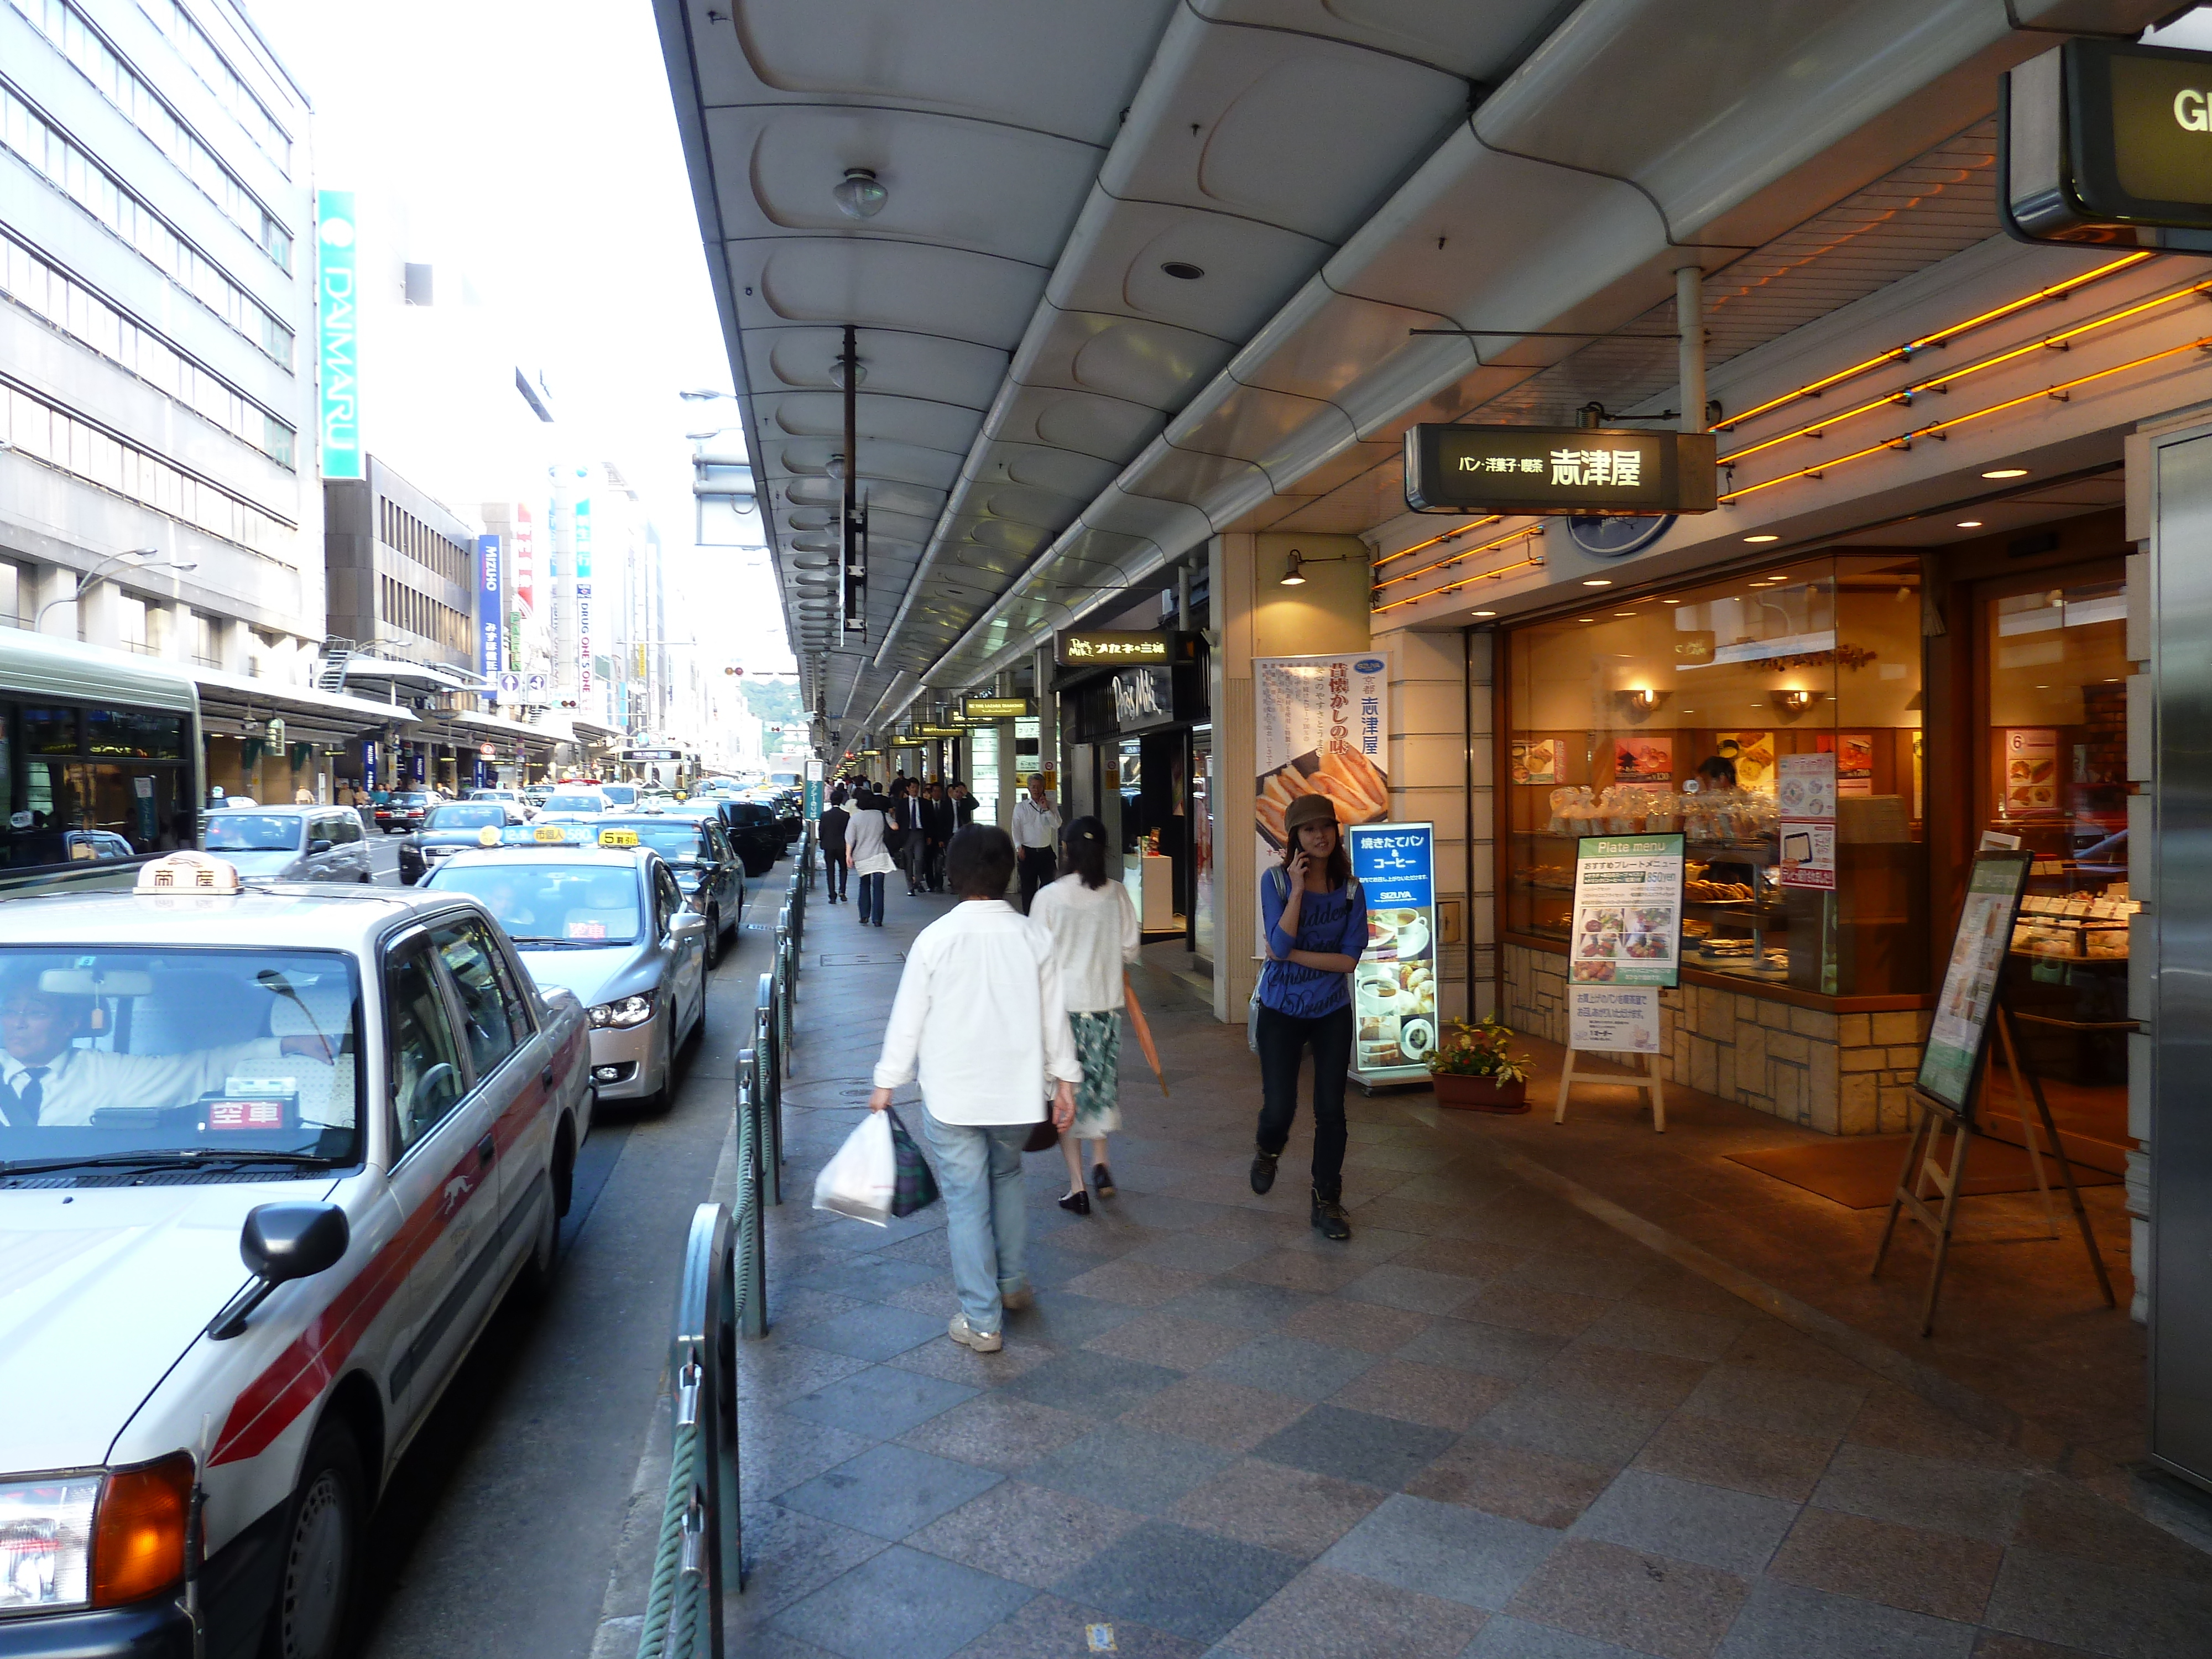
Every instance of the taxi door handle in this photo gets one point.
(486, 1148)
(545, 1076)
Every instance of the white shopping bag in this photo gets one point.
(859, 1181)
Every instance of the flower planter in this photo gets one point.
(1481, 1094)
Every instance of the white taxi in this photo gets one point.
(270, 1155)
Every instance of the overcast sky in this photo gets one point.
(538, 134)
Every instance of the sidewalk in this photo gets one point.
(1490, 1425)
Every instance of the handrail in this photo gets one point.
(698, 1559)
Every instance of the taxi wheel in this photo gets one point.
(664, 1098)
(322, 1552)
(713, 940)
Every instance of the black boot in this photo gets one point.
(1329, 1215)
(1263, 1170)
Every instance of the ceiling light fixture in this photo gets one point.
(1969, 524)
(1597, 581)
(1762, 539)
(1183, 270)
(837, 374)
(2006, 473)
(1486, 613)
(859, 194)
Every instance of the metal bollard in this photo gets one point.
(767, 1069)
(753, 1198)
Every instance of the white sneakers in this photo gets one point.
(969, 1337)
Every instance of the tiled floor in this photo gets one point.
(1488, 1427)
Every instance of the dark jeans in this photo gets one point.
(1283, 1038)
(1038, 866)
(872, 897)
(835, 872)
(916, 860)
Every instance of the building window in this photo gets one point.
(206, 649)
(223, 80)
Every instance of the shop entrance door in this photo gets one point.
(2051, 768)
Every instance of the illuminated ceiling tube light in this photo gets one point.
(2006, 473)
(860, 194)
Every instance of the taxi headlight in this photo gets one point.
(90, 1540)
(624, 1012)
(45, 1543)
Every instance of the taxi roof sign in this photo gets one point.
(618, 837)
(488, 837)
(548, 832)
(188, 872)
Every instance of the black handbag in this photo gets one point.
(1045, 1136)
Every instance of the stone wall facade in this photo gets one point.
(1849, 1074)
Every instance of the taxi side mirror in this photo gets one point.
(281, 1242)
(319, 845)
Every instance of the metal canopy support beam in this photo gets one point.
(853, 619)
(1690, 325)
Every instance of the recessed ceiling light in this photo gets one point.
(1762, 539)
(2006, 473)
(1969, 524)
(1624, 613)
(1183, 270)
(1670, 601)
(1597, 581)
(1586, 619)
(1486, 613)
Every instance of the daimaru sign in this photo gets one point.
(337, 337)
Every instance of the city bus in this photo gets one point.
(99, 763)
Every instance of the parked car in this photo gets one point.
(611, 925)
(450, 828)
(707, 868)
(364, 1096)
(291, 843)
(575, 799)
(403, 811)
(619, 795)
(755, 830)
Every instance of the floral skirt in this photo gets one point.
(1098, 1051)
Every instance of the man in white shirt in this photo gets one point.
(1036, 838)
(46, 1082)
(979, 1014)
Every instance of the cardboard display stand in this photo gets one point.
(1625, 945)
(1969, 1011)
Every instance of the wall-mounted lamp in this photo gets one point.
(1794, 703)
(1639, 703)
(1294, 575)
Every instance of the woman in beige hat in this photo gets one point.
(1316, 920)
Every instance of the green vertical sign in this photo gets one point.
(337, 337)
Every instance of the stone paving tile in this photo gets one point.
(790, 1309)
(1588, 1431)
(997, 1431)
(1607, 1277)
(1528, 1308)
(1200, 1252)
(1674, 1609)
(1137, 1283)
(1366, 1326)
(1384, 1452)
(2130, 1615)
(1434, 1395)
(1304, 1270)
(1643, 1325)
(1744, 1396)
(1190, 1583)
(1923, 1491)
(1467, 1258)
(2063, 1518)
(1507, 1637)
(1893, 1420)
(780, 1372)
(890, 1489)
(1711, 1525)
(780, 1450)
(870, 1279)
(1443, 1550)
(1416, 1290)
(875, 1332)
(1226, 1416)
(1920, 1571)
(1163, 1338)
(1288, 1366)
(1590, 1370)
(902, 1602)
(1788, 1621)
(1289, 1511)
(1491, 1349)
(1099, 1385)
(1031, 1534)
(1785, 1465)
(789, 1554)
(1047, 1624)
(1321, 1614)
(1233, 1300)
(1128, 1467)
(878, 1400)
(1509, 1480)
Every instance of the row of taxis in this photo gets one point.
(272, 1153)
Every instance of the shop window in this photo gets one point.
(1677, 711)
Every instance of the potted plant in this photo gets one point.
(1473, 1070)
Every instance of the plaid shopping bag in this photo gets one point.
(916, 1188)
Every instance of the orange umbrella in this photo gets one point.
(1143, 1030)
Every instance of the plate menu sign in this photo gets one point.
(1394, 989)
(1959, 1035)
(1627, 936)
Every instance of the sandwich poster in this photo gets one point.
(2029, 785)
(1322, 727)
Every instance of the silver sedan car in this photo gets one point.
(609, 924)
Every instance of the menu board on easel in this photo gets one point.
(1627, 939)
(1960, 1034)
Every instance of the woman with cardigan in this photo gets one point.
(1314, 917)
(868, 857)
(1093, 924)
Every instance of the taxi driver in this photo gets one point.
(47, 1082)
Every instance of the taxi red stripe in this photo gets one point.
(296, 1378)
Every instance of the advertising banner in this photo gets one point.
(1628, 910)
(582, 517)
(525, 563)
(338, 338)
(1394, 989)
(491, 600)
(1961, 1027)
(1806, 792)
(1321, 727)
(1614, 1019)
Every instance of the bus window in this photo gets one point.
(132, 733)
(48, 731)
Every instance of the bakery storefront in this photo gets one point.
(1951, 695)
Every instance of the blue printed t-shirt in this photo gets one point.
(1333, 922)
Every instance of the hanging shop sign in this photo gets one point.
(1144, 698)
(995, 708)
(1319, 728)
(2108, 143)
(338, 338)
(1589, 472)
(1626, 944)
(1960, 1034)
(1090, 646)
(1394, 989)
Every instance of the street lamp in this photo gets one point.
(100, 572)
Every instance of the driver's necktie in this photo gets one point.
(30, 1095)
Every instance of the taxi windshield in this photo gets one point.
(672, 838)
(573, 803)
(131, 1056)
(254, 832)
(466, 817)
(577, 905)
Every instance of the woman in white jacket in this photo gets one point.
(868, 856)
(1093, 924)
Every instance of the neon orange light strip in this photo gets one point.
(1439, 564)
(1475, 524)
(1467, 581)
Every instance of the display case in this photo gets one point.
(1687, 710)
